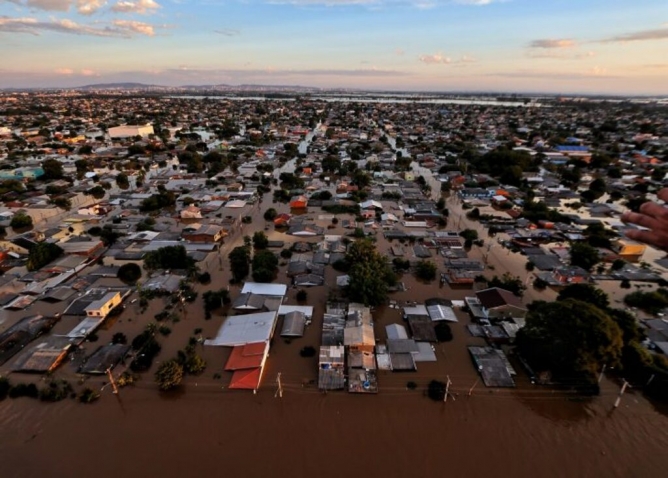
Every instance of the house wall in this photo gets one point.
(106, 308)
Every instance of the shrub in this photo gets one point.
(169, 375)
(301, 296)
(436, 390)
(411, 385)
(129, 273)
(88, 395)
(23, 390)
(4, 387)
(443, 332)
(307, 351)
(119, 338)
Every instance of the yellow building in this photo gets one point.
(628, 250)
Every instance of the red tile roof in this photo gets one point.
(246, 356)
(246, 379)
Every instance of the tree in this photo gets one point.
(436, 390)
(215, 299)
(571, 339)
(122, 181)
(42, 254)
(169, 375)
(265, 265)
(425, 270)
(129, 273)
(240, 262)
(508, 282)
(170, 257)
(21, 220)
(370, 274)
(469, 234)
(53, 169)
(302, 295)
(260, 240)
(585, 293)
(270, 214)
(651, 302)
(443, 332)
(583, 255)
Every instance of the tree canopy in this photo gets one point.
(585, 293)
(169, 375)
(584, 255)
(20, 221)
(265, 264)
(239, 262)
(571, 339)
(129, 273)
(42, 254)
(170, 257)
(370, 274)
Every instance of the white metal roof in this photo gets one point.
(245, 329)
(441, 312)
(396, 331)
(264, 289)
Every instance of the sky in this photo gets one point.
(514, 46)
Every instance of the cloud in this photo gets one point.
(228, 32)
(467, 59)
(88, 72)
(33, 26)
(644, 35)
(64, 71)
(51, 5)
(435, 59)
(139, 6)
(88, 7)
(274, 72)
(135, 27)
(553, 43)
(560, 55)
(596, 72)
(399, 52)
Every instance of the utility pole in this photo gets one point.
(600, 377)
(113, 382)
(279, 386)
(621, 392)
(447, 389)
(474, 384)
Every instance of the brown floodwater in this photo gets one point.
(206, 429)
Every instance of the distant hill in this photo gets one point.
(115, 86)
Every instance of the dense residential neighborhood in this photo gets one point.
(327, 243)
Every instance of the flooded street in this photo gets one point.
(206, 429)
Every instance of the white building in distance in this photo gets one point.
(128, 131)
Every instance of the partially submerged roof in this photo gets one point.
(245, 329)
(293, 324)
(246, 379)
(264, 289)
(496, 297)
(247, 356)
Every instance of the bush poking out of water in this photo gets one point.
(436, 390)
(55, 391)
(4, 388)
(443, 332)
(307, 351)
(169, 375)
(23, 390)
(88, 395)
(411, 385)
(126, 378)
